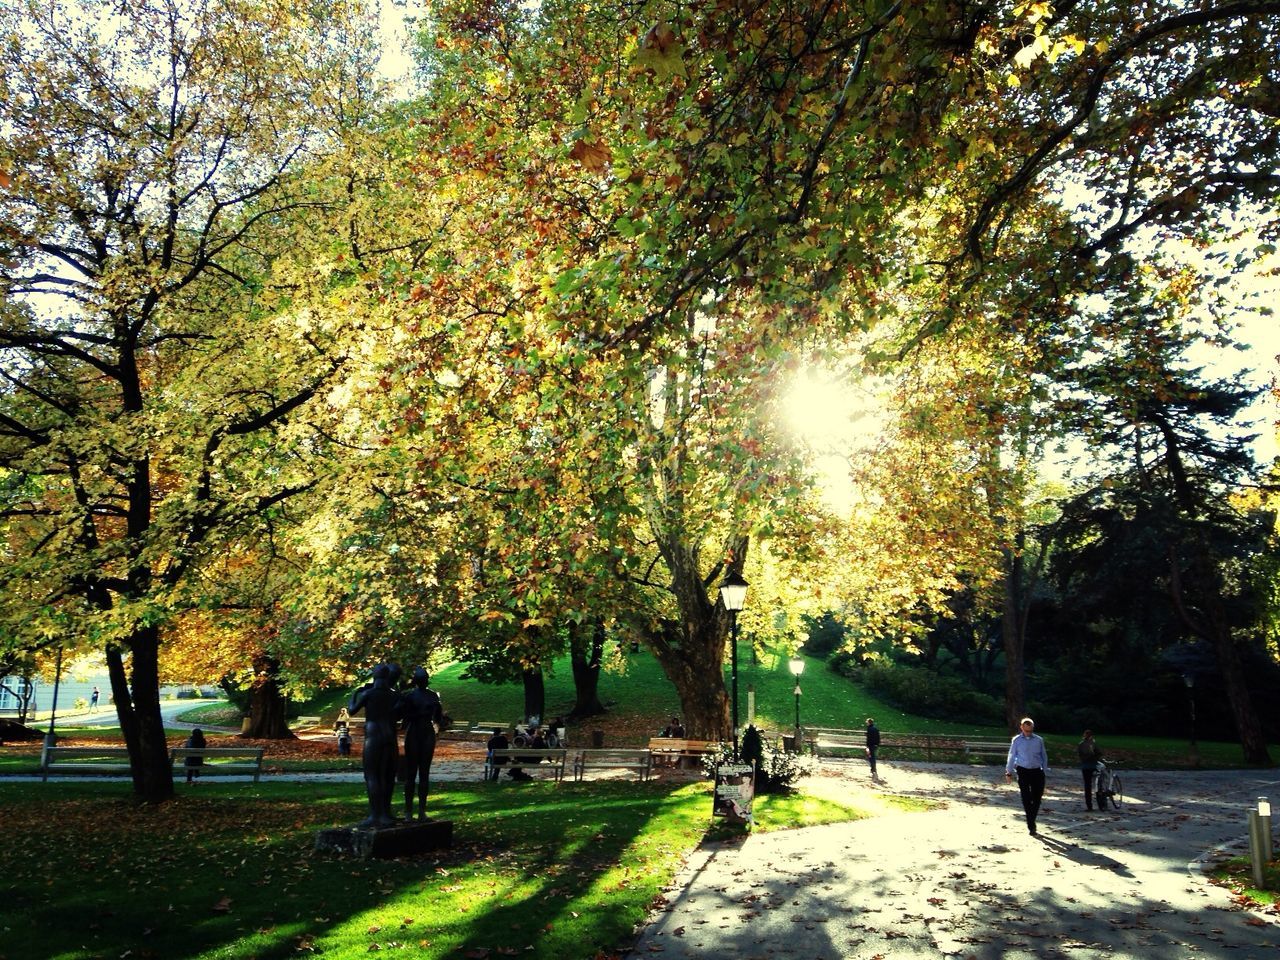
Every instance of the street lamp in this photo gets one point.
(50, 737)
(797, 668)
(733, 594)
(1190, 680)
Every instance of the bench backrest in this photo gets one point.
(62, 753)
(554, 753)
(681, 745)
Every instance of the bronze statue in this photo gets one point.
(381, 705)
(422, 713)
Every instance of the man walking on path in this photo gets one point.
(873, 744)
(1029, 759)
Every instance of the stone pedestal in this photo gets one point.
(402, 840)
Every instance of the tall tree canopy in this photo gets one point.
(156, 382)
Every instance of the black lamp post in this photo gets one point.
(733, 594)
(797, 668)
(1190, 681)
(50, 737)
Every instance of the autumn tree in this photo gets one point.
(156, 381)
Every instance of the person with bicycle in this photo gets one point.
(1030, 760)
(1090, 755)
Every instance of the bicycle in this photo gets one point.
(1110, 786)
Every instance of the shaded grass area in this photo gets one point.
(228, 870)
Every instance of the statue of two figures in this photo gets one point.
(385, 705)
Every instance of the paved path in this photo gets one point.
(969, 881)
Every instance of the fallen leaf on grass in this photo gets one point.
(223, 905)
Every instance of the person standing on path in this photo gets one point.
(1089, 757)
(1030, 760)
(873, 744)
(93, 700)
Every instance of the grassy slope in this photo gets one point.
(642, 690)
(640, 699)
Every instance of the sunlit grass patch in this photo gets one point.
(1236, 875)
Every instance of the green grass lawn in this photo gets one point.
(228, 870)
(640, 698)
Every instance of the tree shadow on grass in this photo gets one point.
(230, 870)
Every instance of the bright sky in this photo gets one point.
(836, 419)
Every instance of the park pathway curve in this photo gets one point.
(967, 880)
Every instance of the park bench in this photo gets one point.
(831, 741)
(483, 730)
(676, 750)
(221, 761)
(987, 748)
(472, 730)
(305, 723)
(527, 758)
(70, 761)
(638, 760)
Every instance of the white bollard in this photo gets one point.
(1255, 849)
(1264, 826)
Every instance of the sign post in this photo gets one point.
(735, 791)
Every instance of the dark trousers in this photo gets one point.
(1089, 795)
(871, 758)
(1031, 786)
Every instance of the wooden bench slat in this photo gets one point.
(987, 748)
(682, 745)
(519, 758)
(221, 761)
(54, 761)
(601, 758)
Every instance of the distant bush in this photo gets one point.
(825, 635)
(919, 691)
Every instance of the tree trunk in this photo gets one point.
(694, 663)
(691, 652)
(1213, 625)
(1248, 726)
(535, 693)
(586, 649)
(268, 707)
(1014, 635)
(137, 702)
